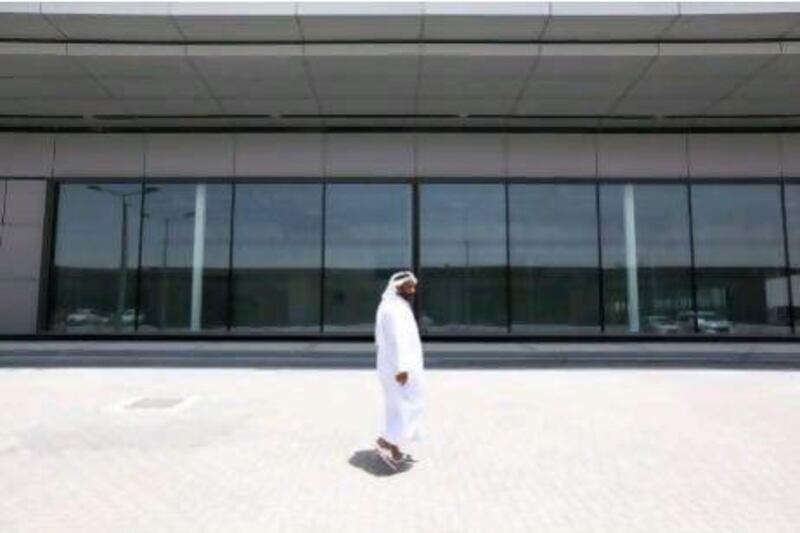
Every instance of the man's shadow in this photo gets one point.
(369, 462)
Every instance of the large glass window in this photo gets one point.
(277, 257)
(646, 258)
(95, 258)
(367, 237)
(739, 259)
(185, 256)
(463, 258)
(314, 257)
(792, 192)
(554, 277)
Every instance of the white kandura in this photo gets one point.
(399, 350)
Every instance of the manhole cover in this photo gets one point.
(154, 403)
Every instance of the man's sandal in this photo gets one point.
(386, 457)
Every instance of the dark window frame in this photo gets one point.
(46, 291)
(780, 182)
(418, 269)
(321, 271)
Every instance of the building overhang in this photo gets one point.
(406, 64)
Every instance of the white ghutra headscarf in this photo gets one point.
(396, 280)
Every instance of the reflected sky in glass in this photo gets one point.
(90, 224)
(737, 225)
(368, 226)
(553, 239)
(278, 226)
(463, 258)
(463, 225)
(553, 225)
(367, 237)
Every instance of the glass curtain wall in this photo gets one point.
(739, 259)
(495, 258)
(792, 200)
(277, 258)
(553, 251)
(367, 238)
(647, 284)
(463, 258)
(185, 257)
(95, 259)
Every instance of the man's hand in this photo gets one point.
(401, 378)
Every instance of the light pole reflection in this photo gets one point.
(122, 285)
(167, 220)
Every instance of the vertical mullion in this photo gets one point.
(508, 261)
(415, 246)
(787, 259)
(137, 297)
(322, 260)
(693, 268)
(47, 265)
(600, 285)
(229, 295)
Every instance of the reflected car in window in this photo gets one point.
(707, 322)
(660, 324)
(86, 317)
(129, 317)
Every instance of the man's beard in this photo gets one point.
(407, 297)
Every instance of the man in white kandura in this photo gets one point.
(400, 366)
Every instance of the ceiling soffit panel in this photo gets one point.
(325, 22)
(484, 21)
(132, 60)
(112, 21)
(248, 61)
(360, 21)
(245, 21)
(431, 81)
(610, 21)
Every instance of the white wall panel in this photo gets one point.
(551, 155)
(641, 156)
(20, 252)
(369, 155)
(99, 155)
(790, 154)
(25, 202)
(461, 155)
(18, 306)
(26, 155)
(734, 155)
(189, 155)
(279, 155)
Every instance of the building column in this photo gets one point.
(197, 258)
(629, 210)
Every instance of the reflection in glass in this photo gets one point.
(792, 192)
(553, 240)
(277, 257)
(95, 259)
(463, 258)
(646, 258)
(185, 250)
(739, 258)
(367, 238)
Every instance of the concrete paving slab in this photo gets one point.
(252, 450)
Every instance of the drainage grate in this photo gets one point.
(155, 403)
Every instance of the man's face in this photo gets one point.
(407, 290)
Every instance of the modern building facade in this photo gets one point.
(549, 170)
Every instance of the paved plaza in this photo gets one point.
(266, 450)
